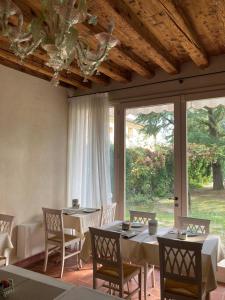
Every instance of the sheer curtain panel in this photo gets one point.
(89, 151)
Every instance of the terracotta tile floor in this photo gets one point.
(84, 277)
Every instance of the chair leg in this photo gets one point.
(145, 280)
(121, 292)
(63, 260)
(140, 284)
(46, 258)
(153, 276)
(94, 282)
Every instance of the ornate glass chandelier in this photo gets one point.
(55, 31)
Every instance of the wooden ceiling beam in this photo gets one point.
(130, 30)
(41, 69)
(186, 34)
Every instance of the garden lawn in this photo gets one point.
(205, 204)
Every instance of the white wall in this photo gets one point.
(33, 145)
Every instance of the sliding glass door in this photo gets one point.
(174, 159)
(206, 161)
(150, 161)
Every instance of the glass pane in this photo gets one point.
(206, 161)
(150, 161)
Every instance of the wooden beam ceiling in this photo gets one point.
(131, 32)
(153, 34)
(185, 33)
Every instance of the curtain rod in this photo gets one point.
(146, 84)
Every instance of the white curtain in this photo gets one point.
(89, 151)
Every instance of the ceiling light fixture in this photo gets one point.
(56, 32)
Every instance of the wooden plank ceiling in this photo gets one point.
(153, 34)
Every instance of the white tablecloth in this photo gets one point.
(143, 248)
(82, 221)
(83, 293)
(5, 245)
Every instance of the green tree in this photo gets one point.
(154, 123)
(206, 127)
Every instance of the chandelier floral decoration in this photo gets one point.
(55, 31)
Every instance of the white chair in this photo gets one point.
(143, 217)
(108, 214)
(194, 225)
(57, 239)
(181, 270)
(108, 265)
(6, 225)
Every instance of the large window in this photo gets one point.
(174, 159)
(150, 161)
(206, 161)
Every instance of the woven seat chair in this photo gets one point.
(57, 239)
(108, 214)
(194, 225)
(143, 217)
(6, 225)
(181, 270)
(108, 265)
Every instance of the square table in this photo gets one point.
(81, 219)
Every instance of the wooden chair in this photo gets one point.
(181, 270)
(108, 214)
(6, 225)
(3, 261)
(194, 225)
(57, 239)
(143, 217)
(108, 265)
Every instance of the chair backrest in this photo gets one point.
(194, 225)
(53, 221)
(6, 223)
(180, 261)
(108, 214)
(141, 216)
(106, 249)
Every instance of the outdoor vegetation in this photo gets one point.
(149, 170)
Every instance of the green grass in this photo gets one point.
(205, 204)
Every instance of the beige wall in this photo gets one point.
(33, 145)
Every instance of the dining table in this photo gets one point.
(81, 219)
(141, 248)
(5, 245)
(29, 285)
